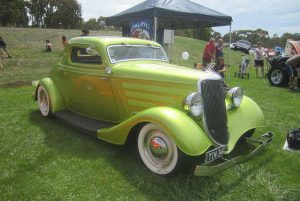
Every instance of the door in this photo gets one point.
(86, 86)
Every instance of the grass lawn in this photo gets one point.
(45, 159)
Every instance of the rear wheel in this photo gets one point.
(278, 76)
(158, 150)
(43, 101)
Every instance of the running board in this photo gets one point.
(82, 123)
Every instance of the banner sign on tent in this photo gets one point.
(142, 29)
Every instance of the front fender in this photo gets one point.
(56, 101)
(240, 120)
(187, 134)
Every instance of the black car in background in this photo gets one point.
(278, 74)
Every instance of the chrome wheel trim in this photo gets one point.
(157, 150)
(276, 76)
(43, 101)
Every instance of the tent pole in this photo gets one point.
(155, 25)
(229, 61)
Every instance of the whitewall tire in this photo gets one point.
(43, 101)
(158, 150)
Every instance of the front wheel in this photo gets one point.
(277, 76)
(43, 101)
(158, 150)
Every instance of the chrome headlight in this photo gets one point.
(236, 96)
(193, 104)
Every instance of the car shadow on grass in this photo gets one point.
(66, 141)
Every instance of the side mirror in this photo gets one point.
(185, 55)
(108, 70)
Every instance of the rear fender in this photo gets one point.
(187, 134)
(56, 101)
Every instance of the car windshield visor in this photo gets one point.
(119, 53)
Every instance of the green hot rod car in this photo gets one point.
(123, 88)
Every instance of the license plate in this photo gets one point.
(214, 154)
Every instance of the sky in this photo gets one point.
(274, 16)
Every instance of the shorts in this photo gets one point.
(259, 63)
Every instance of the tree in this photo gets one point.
(202, 34)
(92, 24)
(55, 13)
(101, 22)
(37, 11)
(67, 15)
(253, 36)
(216, 34)
(13, 12)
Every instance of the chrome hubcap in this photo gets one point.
(44, 102)
(158, 147)
(276, 76)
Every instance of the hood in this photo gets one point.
(161, 71)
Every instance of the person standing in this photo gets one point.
(219, 49)
(209, 52)
(294, 71)
(85, 32)
(64, 41)
(259, 60)
(3, 45)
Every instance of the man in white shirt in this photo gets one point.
(259, 60)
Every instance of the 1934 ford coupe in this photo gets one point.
(123, 88)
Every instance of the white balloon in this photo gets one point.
(185, 55)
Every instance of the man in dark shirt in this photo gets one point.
(3, 46)
(219, 49)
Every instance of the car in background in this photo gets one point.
(279, 50)
(241, 45)
(278, 74)
(125, 90)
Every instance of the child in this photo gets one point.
(48, 46)
(220, 67)
(64, 40)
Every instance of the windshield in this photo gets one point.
(118, 53)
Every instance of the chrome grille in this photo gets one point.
(215, 117)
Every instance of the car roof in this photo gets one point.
(111, 40)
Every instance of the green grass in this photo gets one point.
(44, 159)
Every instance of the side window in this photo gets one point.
(79, 55)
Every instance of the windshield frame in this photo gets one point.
(137, 59)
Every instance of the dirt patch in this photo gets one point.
(15, 84)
